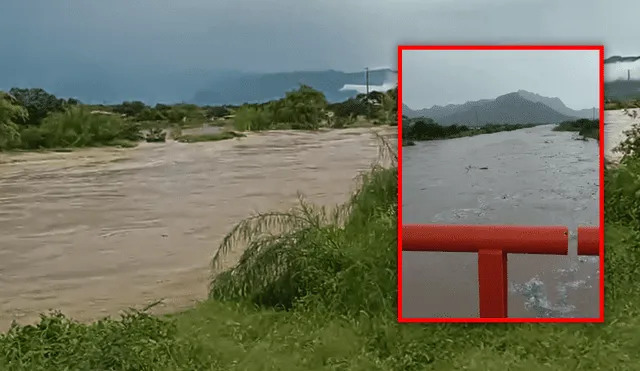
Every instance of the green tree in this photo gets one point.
(130, 109)
(38, 104)
(217, 111)
(10, 113)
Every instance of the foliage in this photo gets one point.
(427, 129)
(10, 114)
(39, 104)
(307, 109)
(586, 128)
(26, 118)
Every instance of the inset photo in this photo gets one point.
(501, 165)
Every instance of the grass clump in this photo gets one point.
(195, 138)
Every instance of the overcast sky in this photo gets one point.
(284, 35)
(442, 77)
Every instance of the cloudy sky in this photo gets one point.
(442, 77)
(54, 37)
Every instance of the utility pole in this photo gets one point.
(366, 81)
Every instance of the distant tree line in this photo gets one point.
(35, 119)
(584, 127)
(420, 129)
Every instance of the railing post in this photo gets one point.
(494, 286)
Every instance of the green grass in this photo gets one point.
(319, 293)
(195, 138)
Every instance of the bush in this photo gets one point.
(77, 127)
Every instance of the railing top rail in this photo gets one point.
(553, 240)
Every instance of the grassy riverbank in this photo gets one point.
(584, 127)
(322, 296)
(424, 129)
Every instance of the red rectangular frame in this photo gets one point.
(599, 48)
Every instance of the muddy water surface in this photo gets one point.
(96, 231)
(533, 177)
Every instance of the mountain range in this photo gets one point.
(521, 107)
(619, 59)
(95, 85)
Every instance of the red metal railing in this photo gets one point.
(493, 243)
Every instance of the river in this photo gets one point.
(96, 231)
(534, 177)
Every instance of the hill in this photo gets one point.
(559, 106)
(510, 108)
(619, 59)
(95, 85)
(438, 112)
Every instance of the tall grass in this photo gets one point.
(317, 258)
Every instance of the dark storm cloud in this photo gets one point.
(49, 37)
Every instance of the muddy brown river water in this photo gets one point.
(96, 231)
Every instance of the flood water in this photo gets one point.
(96, 231)
(533, 177)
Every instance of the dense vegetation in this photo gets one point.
(35, 119)
(322, 296)
(616, 104)
(586, 128)
(420, 129)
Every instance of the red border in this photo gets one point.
(599, 48)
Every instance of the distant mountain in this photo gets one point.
(254, 88)
(94, 84)
(406, 111)
(510, 108)
(438, 112)
(619, 59)
(559, 106)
